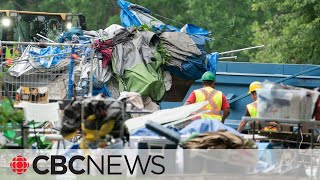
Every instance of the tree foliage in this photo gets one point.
(288, 28)
(291, 33)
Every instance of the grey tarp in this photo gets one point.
(180, 46)
(139, 50)
(138, 63)
(98, 34)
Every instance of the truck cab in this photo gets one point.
(25, 25)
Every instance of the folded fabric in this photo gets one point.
(105, 48)
(188, 66)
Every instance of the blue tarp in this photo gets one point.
(207, 125)
(53, 55)
(129, 18)
(195, 66)
(67, 36)
(212, 62)
(96, 89)
(196, 30)
(198, 126)
(104, 90)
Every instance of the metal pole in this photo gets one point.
(35, 57)
(298, 135)
(45, 38)
(43, 43)
(312, 134)
(231, 57)
(70, 82)
(243, 49)
(91, 69)
(279, 81)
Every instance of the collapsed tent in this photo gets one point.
(183, 63)
(139, 64)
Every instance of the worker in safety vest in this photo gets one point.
(217, 100)
(252, 109)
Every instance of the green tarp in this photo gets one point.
(138, 64)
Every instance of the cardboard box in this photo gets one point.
(36, 95)
(25, 94)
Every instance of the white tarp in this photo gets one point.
(111, 30)
(23, 64)
(164, 116)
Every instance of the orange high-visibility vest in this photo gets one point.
(214, 98)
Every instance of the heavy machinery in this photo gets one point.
(25, 25)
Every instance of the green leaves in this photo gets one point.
(288, 28)
(292, 32)
(8, 113)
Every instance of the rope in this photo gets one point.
(169, 19)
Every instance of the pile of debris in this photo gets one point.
(140, 56)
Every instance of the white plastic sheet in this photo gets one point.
(164, 116)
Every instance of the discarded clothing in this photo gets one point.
(105, 48)
(164, 116)
(150, 105)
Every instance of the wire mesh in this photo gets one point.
(29, 76)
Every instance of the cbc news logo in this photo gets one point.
(19, 164)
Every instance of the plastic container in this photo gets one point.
(280, 103)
